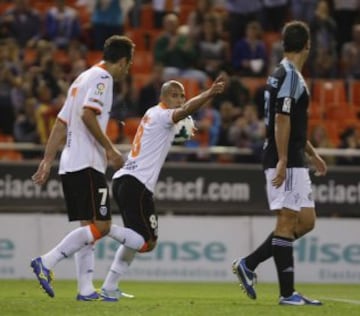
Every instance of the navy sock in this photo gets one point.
(262, 253)
(284, 261)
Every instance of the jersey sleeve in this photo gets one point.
(63, 115)
(288, 93)
(166, 117)
(96, 92)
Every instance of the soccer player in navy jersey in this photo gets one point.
(288, 183)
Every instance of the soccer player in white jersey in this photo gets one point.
(81, 125)
(134, 183)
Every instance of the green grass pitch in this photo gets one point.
(24, 297)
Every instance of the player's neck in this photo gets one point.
(296, 59)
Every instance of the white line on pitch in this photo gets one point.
(343, 300)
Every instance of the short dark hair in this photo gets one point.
(295, 36)
(117, 47)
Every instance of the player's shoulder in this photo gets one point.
(98, 73)
(284, 70)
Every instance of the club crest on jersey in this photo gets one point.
(100, 88)
(286, 105)
(103, 210)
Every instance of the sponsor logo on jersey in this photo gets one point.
(286, 105)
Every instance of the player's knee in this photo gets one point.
(100, 230)
(148, 246)
(308, 227)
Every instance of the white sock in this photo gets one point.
(85, 263)
(126, 236)
(123, 258)
(71, 243)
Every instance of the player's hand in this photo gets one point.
(280, 174)
(320, 165)
(218, 85)
(115, 158)
(42, 173)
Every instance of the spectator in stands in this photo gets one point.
(46, 112)
(61, 24)
(235, 92)
(240, 14)
(107, 19)
(275, 14)
(350, 55)
(350, 139)
(303, 10)
(50, 73)
(323, 55)
(345, 14)
(214, 52)
(197, 17)
(248, 132)
(177, 52)
(25, 129)
(162, 8)
(227, 116)
(249, 55)
(23, 23)
(208, 122)
(149, 94)
(9, 80)
(77, 57)
(125, 103)
(276, 54)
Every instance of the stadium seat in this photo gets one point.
(269, 39)
(354, 93)
(61, 57)
(147, 17)
(140, 80)
(191, 87)
(315, 110)
(93, 57)
(340, 111)
(328, 92)
(333, 131)
(113, 130)
(9, 154)
(253, 84)
(142, 62)
(130, 127)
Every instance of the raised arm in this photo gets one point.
(198, 101)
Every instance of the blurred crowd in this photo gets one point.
(44, 45)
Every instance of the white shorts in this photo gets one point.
(295, 192)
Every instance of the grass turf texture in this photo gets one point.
(24, 297)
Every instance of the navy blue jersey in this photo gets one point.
(286, 93)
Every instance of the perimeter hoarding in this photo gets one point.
(190, 248)
(185, 188)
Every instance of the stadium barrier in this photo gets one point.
(189, 188)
